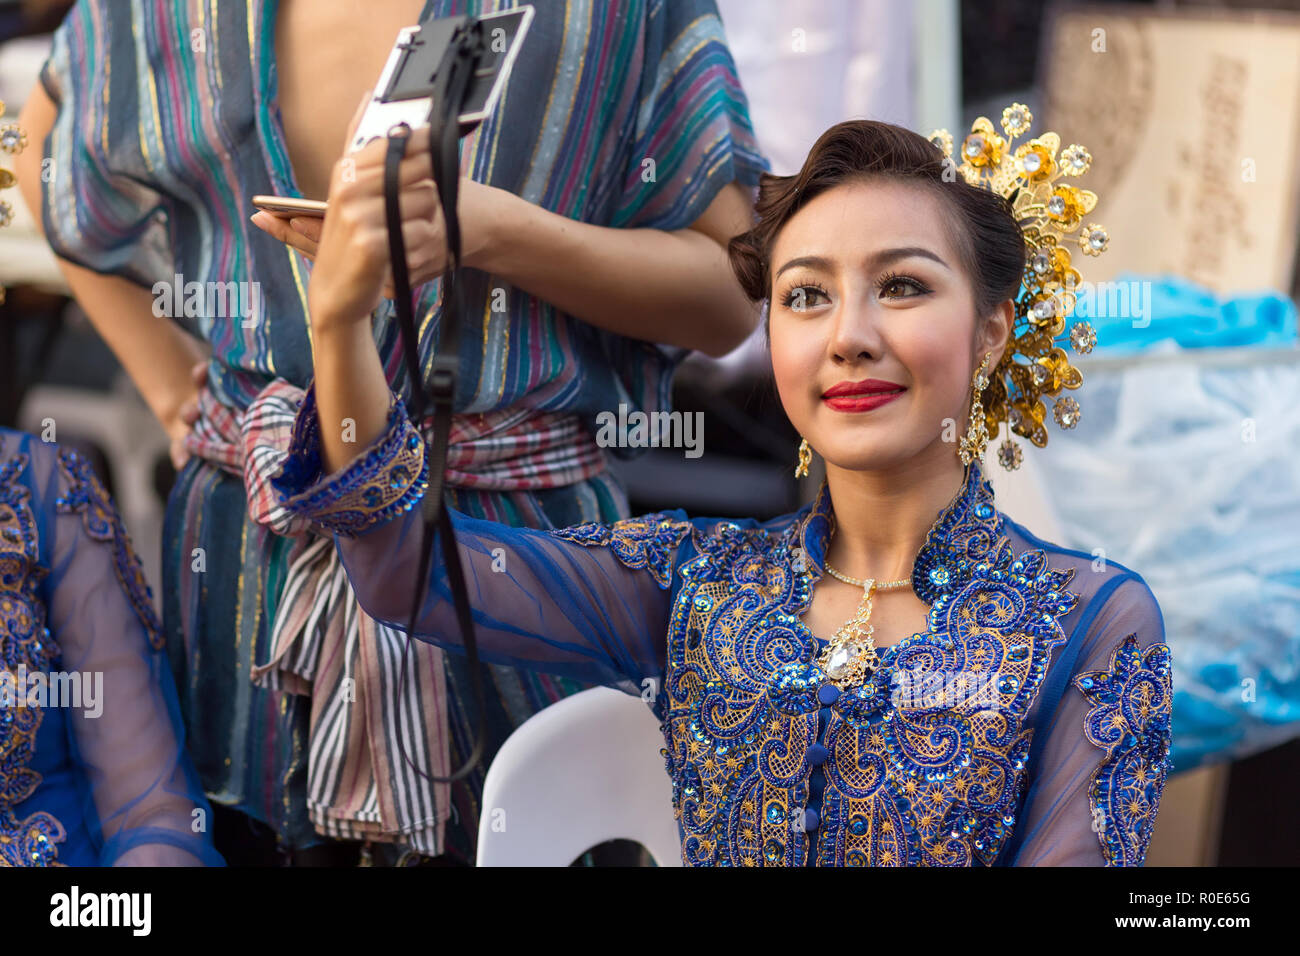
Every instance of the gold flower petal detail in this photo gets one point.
(1034, 162)
(1075, 160)
(1083, 337)
(943, 139)
(1016, 119)
(1093, 239)
(982, 146)
(1066, 412)
(12, 138)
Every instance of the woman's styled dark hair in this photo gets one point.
(987, 237)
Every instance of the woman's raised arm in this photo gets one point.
(591, 603)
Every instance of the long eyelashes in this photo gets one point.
(799, 297)
(896, 278)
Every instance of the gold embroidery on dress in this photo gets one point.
(929, 784)
(936, 786)
(26, 646)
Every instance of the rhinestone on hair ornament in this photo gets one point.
(1032, 173)
(12, 141)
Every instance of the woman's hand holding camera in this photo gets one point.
(350, 245)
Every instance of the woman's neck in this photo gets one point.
(882, 517)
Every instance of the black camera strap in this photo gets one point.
(450, 85)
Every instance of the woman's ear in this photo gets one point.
(995, 332)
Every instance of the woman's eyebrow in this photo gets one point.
(815, 262)
(874, 262)
(886, 256)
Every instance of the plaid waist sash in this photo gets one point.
(324, 646)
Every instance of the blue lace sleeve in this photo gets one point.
(590, 602)
(143, 801)
(388, 478)
(1095, 794)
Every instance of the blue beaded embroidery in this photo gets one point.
(24, 641)
(744, 704)
(391, 476)
(648, 542)
(1129, 720)
(85, 495)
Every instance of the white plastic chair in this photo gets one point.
(585, 770)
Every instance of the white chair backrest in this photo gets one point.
(585, 770)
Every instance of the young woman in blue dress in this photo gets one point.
(897, 674)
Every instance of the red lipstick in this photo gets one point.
(861, 396)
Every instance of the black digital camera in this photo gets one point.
(404, 91)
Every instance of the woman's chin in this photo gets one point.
(868, 458)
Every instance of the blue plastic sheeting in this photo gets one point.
(1185, 467)
(1135, 312)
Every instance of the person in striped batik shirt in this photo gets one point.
(621, 159)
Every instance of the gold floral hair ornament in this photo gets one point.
(1050, 212)
(12, 141)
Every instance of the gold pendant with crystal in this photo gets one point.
(850, 657)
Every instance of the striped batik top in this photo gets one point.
(159, 148)
(168, 125)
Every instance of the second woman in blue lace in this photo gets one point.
(93, 768)
(898, 674)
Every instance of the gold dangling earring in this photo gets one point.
(976, 439)
(805, 459)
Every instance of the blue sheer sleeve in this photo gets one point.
(141, 795)
(590, 602)
(1093, 797)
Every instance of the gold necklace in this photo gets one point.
(850, 656)
(880, 585)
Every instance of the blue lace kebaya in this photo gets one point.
(1059, 759)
